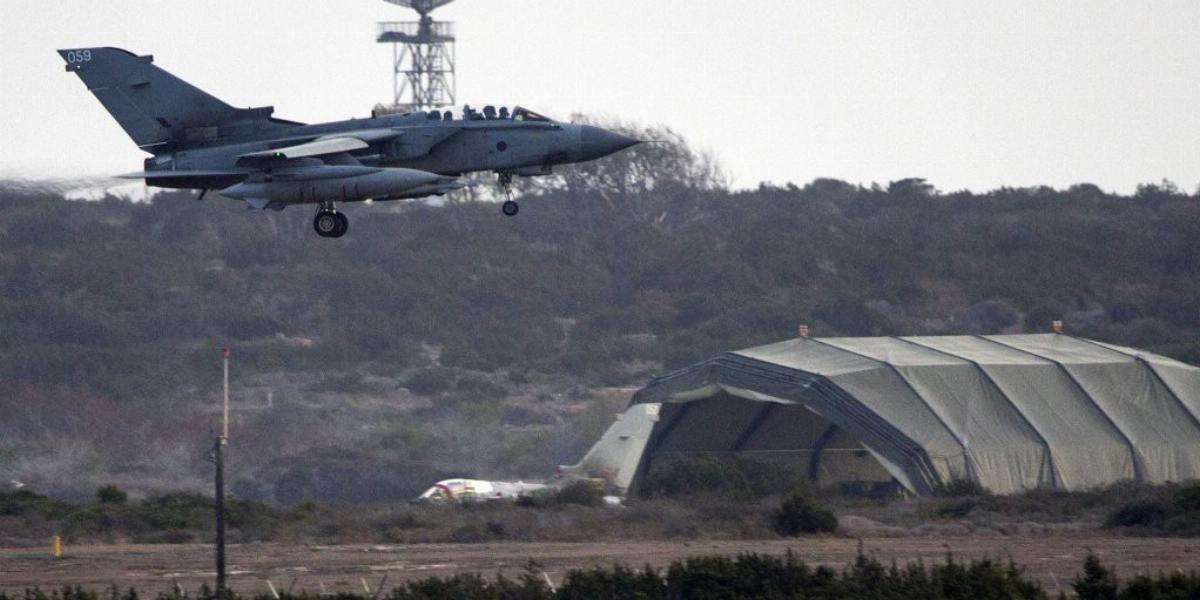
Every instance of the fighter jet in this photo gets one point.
(199, 142)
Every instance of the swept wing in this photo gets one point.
(327, 145)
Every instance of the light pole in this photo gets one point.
(218, 458)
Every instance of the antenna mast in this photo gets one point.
(422, 58)
(218, 459)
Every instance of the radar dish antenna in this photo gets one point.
(423, 58)
(421, 6)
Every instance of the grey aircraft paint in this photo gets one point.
(199, 142)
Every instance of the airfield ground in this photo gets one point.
(1053, 560)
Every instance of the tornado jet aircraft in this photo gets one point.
(199, 142)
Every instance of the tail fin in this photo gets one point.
(158, 110)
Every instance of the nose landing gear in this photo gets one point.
(329, 222)
(510, 208)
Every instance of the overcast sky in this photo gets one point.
(966, 94)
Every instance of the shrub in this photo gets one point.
(342, 383)
(1097, 582)
(617, 582)
(430, 381)
(177, 511)
(583, 492)
(724, 475)
(1188, 498)
(111, 494)
(531, 501)
(799, 514)
(957, 488)
(1141, 513)
(476, 386)
(1170, 509)
(169, 536)
(24, 503)
(1185, 524)
(958, 509)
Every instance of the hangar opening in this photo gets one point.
(790, 435)
(1007, 412)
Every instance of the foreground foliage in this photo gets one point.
(746, 576)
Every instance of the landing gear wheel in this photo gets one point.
(328, 223)
(510, 207)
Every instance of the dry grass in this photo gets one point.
(693, 517)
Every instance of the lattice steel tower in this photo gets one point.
(423, 58)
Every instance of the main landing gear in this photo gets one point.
(329, 222)
(510, 208)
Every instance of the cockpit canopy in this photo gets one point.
(491, 113)
(524, 114)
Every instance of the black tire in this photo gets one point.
(510, 208)
(343, 224)
(327, 223)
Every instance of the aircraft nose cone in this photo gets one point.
(595, 142)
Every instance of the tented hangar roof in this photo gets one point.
(1010, 412)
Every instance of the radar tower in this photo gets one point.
(422, 58)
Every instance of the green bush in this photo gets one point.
(958, 488)
(111, 494)
(430, 381)
(476, 386)
(722, 475)
(1096, 582)
(1140, 513)
(616, 582)
(530, 501)
(1169, 510)
(1183, 524)
(177, 511)
(578, 493)
(583, 492)
(342, 383)
(1187, 498)
(799, 515)
(23, 503)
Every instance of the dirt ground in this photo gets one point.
(1053, 560)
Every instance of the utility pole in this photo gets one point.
(218, 458)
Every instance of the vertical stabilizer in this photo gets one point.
(157, 109)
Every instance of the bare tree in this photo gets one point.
(665, 160)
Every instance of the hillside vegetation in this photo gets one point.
(446, 340)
